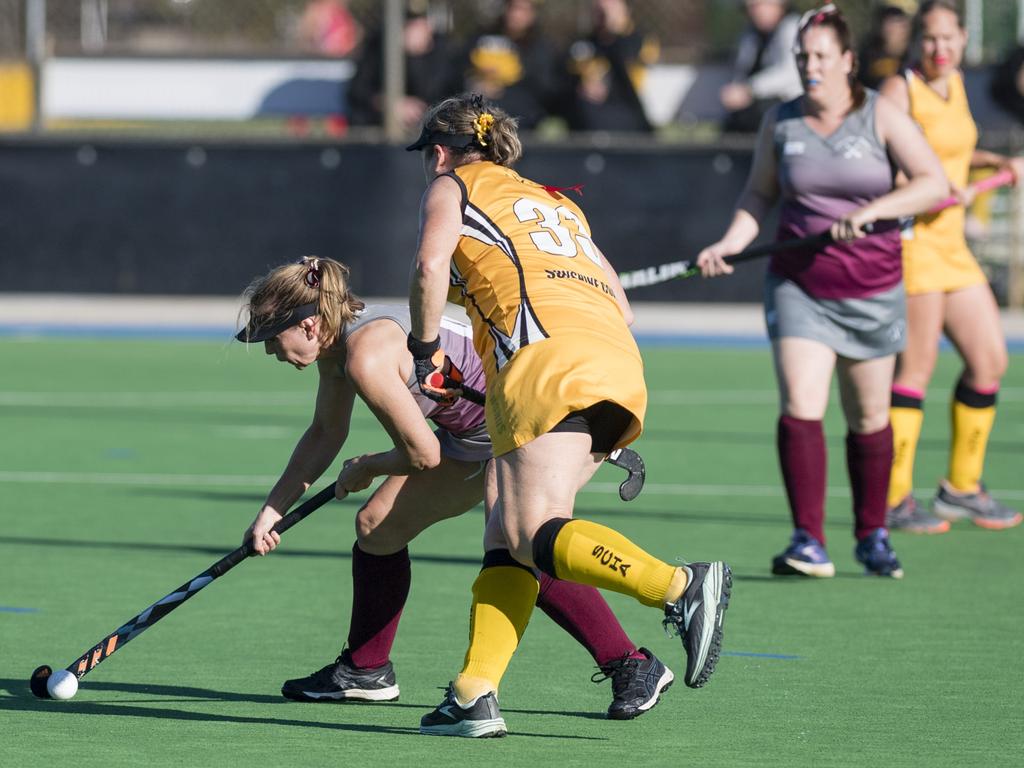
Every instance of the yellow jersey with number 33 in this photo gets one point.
(546, 323)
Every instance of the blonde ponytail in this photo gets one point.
(310, 281)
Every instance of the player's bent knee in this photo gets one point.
(868, 424)
(996, 366)
(369, 529)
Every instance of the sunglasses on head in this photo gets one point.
(817, 15)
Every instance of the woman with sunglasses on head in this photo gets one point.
(564, 387)
(305, 314)
(837, 309)
(946, 292)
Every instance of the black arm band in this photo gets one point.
(422, 349)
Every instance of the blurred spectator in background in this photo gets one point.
(887, 42)
(327, 27)
(1007, 86)
(426, 71)
(607, 70)
(512, 64)
(764, 70)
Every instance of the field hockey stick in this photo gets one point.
(996, 180)
(641, 278)
(629, 460)
(143, 621)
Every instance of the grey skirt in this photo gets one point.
(474, 445)
(858, 329)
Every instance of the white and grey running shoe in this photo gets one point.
(697, 618)
(343, 681)
(479, 719)
(979, 507)
(908, 516)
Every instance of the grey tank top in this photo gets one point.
(457, 342)
(822, 178)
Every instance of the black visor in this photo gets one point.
(261, 329)
(459, 141)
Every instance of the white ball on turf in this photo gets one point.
(62, 685)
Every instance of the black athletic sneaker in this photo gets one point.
(697, 618)
(480, 719)
(343, 681)
(637, 684)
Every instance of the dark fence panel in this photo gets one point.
(167, 218)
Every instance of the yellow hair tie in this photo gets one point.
(482, 125)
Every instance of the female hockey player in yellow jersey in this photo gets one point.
(564, 386)
(946, 291)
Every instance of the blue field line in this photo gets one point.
(223, 333)
(783, 656)
(13, 609)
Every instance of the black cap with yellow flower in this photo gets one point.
(482, 125)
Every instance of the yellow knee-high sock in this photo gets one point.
(504, 594)
(973, 414)
(906, 415)
(588, 553)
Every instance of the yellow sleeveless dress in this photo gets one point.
(935, 253)
(545, 321)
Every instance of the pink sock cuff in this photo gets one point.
(917, 394)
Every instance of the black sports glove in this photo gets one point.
(427, 359)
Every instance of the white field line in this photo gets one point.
(133, 478)
(679, 489)
(761, 396)
(261, 481)
(220, 399)
(299, 398)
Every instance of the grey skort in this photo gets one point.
(474, 445)
(858, 329)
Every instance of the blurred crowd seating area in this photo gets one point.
(313, 66)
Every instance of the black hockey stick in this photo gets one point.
(473, 395)
(641, 278)
(143, 621)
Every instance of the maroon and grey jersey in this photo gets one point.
(457, 343)
(820, 180)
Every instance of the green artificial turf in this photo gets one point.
(127, 467)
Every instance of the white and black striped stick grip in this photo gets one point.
(641, 278)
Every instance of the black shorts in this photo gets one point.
(605, 422)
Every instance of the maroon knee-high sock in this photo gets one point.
(583, 613)
(380, 586)
(802, 457)
(869, 462)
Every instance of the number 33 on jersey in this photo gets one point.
(526, 265)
